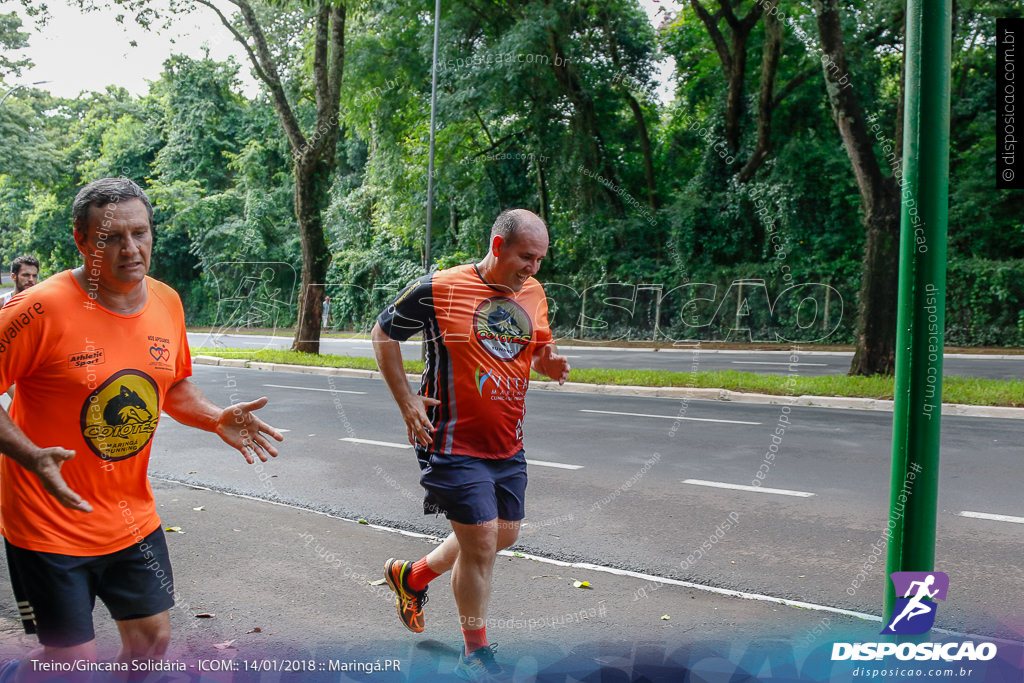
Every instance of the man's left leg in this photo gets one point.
(146, 638)
(137, 586)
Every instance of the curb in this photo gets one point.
(683, 393)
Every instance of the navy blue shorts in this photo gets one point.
(56, 593)
(472, 490)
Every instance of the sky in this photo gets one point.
(78, 52)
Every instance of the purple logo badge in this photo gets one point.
(914, 610)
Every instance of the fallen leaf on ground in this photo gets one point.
(193, 472)
(205, 615)
(581, 584)
(175, 529)
(226, 644)
(256, 629)
(666, 618)
(363, 521)
(200, 508)
(378, 582)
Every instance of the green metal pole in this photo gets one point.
(924, 192)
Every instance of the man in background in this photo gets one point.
(24, 274)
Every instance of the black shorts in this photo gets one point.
(56, 593)
(472, 490)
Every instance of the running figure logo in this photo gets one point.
(914, 612)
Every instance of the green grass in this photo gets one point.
(288, 357)
(966, 390)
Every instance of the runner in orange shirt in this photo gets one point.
(98, 352)
(485, 326)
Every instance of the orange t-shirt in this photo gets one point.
(91, 381)
(480, 344)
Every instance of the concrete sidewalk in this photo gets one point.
(283, 583)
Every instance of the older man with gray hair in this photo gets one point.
(98, 353)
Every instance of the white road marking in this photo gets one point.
(997, 518)
(559, 465)
(331, 391)
(671, 417)
(588, 566)
(371, 442)
(741, 487)
(547, 560)
(765, 362)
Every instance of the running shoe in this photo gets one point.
(8, 668)
(408, 602)
(479, 666)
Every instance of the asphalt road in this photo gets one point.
(684, 359)
(611, 482)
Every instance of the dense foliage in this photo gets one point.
(684, 217)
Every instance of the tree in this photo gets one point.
(313, 140)
(314, 154)
(875, 351)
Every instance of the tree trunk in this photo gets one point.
(766, 97)
(645, 149)
(311, 183)
(586, 116)
(875, 352)
(876, 314)
(734, 61)
(638, 116)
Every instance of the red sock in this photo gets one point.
(475, 639)
(420, 575)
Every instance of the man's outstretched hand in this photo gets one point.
(45, 463)
(239, 427)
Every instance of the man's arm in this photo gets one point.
(45, 463)
(413, 406)
(237, 425)
(546, 361)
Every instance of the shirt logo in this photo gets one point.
(502, 327)
(118, 418)
(914, 610)
(482, 377)
(86, 358)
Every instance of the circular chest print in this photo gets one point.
(118, 418)
(502, 327)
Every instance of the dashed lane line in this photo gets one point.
(330, 391)
(741, 487)
(996, 518)
(670, 417)
(371, 442)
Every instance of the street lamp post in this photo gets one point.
(19, 87)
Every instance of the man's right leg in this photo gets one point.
(26, 673)
(56, 602)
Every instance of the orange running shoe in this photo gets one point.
(408, 602)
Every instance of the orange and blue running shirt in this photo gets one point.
(480, 344)
(91, 381)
